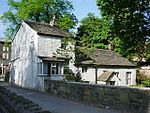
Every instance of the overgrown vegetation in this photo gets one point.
(143, 80)
(70, 76)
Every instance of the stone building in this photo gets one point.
(105, 67)
(39, 52)
(33, 55)
(4, 55)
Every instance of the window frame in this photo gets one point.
(4, 48)
(84, 69)
(128, 78)
(57, 68)
(7, 55)
(3, 56)
(42, 66)
(7, 48)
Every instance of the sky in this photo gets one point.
(81, 9)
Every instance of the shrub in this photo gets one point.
(146, 83)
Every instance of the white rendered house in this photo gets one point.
(35, 57)
(105, 67)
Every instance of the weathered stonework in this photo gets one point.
(126, 99)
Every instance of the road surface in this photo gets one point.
(55, 104)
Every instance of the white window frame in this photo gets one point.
(7, 55)
(128, 78)
(52, 65)
(7, 48)
(56, 66)
(41, 69)
(4, 48)
(3, 56)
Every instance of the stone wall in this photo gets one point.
(128, 99)
(13, 103)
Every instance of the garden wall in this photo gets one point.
(128, 99)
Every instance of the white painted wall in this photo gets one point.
(47, 45)
(90, 75)
(24, 59)
(26, 47)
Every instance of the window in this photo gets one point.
(7, 48)
(7, 55)
(55, 68)
(3, 56)
(43, 68)
(128, 78)
(4, 48)
(84, 69)
(40, 68)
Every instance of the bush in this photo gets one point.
(146, 83)
(73, 77)
(143, 80)
(69, 77)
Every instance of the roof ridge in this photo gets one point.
(47, 29)
(26, 21)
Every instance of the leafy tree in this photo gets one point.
(38, 11)
(94, 32)
(130, 25)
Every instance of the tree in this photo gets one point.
(94, 32)
(38, 11)
(130, 25)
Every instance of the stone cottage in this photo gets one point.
(33, 55)
(105, 67)
(38, 53)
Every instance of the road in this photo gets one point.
(55, 104)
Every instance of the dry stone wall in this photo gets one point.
(126, 99)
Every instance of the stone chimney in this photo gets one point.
(54, 21)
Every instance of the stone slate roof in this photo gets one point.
(100, 57)
(47, 29)
(105, 76)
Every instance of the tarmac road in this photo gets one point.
(55, 104)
